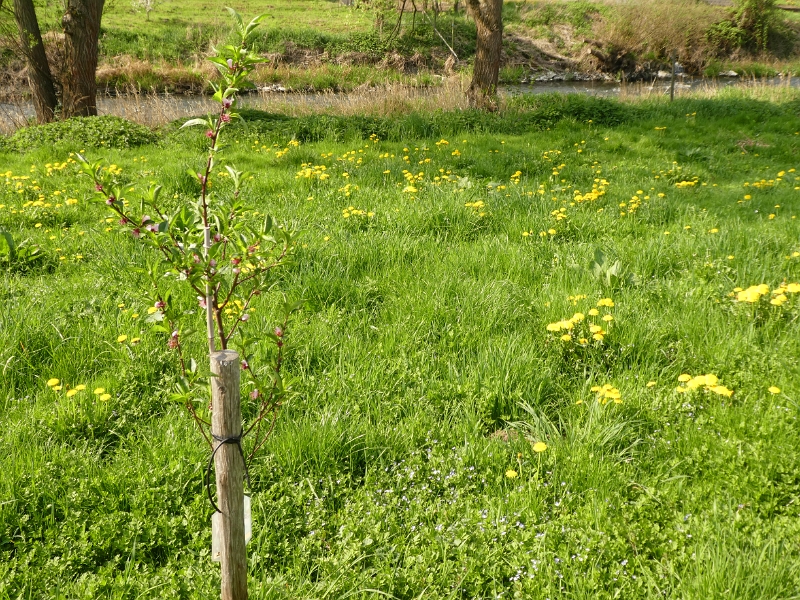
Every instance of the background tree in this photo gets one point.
(81, 23)
(75, 78)
(147, 6)
(40, 78)
(488, 17)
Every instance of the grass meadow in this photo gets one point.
(548, 353)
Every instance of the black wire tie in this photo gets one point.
(234, 439)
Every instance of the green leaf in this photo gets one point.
(193, 122)
(155, 317)
(7, 246)
(238, 19)
(291, 307)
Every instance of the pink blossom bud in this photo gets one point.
(98, 187)
(245, 366)
(210, 134)
(201, 177)
(201, 301)
(279, 344)
(278, 332)
(123, 221)
(255, 394)
(160, 305)
(136, 233)
(153, 228)
(245, 317)
(225, 118)
(228, 102)
(236, 270)
(230, 64)
(212, 263)
(236, 261)
(110, 200)
(217, 237)
(196, 258)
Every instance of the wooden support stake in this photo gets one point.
(672, 58)
(226, 422)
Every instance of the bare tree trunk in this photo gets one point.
(488, 16)
(40, 79)
(81, 23)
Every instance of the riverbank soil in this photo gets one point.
(315, 45)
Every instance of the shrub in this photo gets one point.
(96, 132)
(755, 18)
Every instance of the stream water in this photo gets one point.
(153, 110)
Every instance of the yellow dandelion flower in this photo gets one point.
(722, 391)
(53, 382)
(71, 393)
(511, 473)
(684, 377)
(650, 384)
(99, 391)
(105, 397)
(539, 447)
(774, 389)
(122, 338)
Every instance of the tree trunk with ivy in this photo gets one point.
(488, 17)
(40, 79)
(81, 23)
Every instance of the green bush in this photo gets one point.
(97, 132)
(726, 36)
(755, 18)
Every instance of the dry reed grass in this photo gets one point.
(154, 110)
(656, 27)
(764, 89)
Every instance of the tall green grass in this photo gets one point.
(421, 369)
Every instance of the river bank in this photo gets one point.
(315, 46)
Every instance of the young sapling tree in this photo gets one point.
(215, 247)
